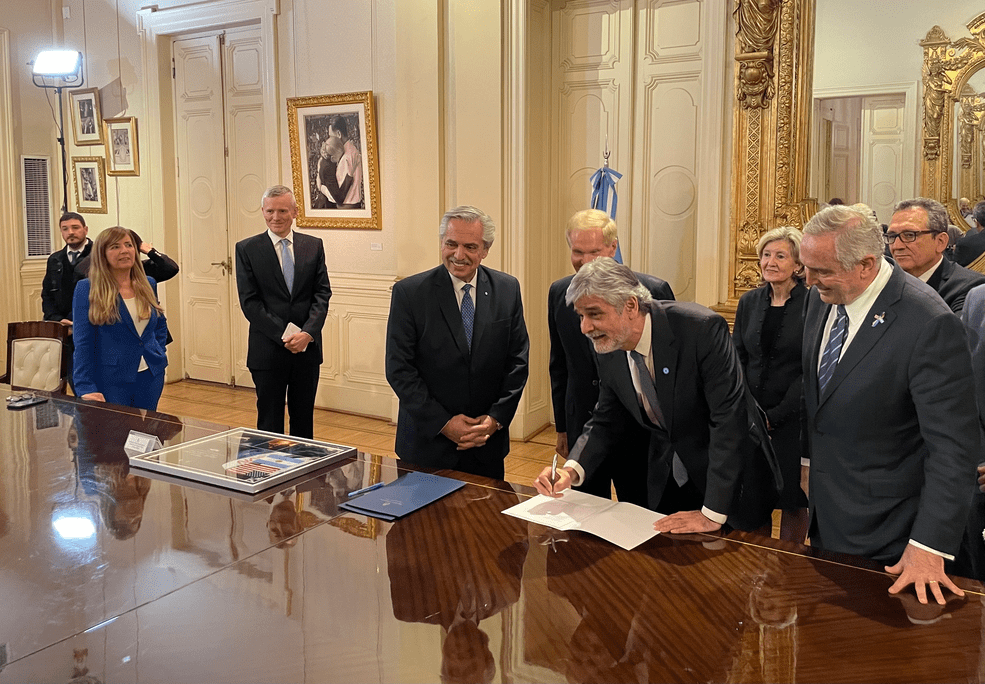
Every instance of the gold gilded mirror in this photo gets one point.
(954, 102)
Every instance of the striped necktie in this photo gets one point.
(468, 313)
(832, 352)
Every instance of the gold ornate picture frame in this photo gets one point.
(122, 153)
(334, 161)
(89, 174)
(87, 122)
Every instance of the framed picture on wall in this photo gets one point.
(334, 160)
(90, 184)
(122, 158)
(86, 119)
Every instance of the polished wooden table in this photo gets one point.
(112, 577)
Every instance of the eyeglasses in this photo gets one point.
(906, 235)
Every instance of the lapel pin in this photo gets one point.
(879, 318)
(666, 371)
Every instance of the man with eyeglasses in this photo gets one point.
(890, 412)
(456, 353)
(917, 238)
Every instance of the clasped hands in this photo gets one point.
(467, 432)
(297, 342)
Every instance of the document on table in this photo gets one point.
(624, 524)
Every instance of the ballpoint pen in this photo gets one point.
(366, 489)
(553, 472)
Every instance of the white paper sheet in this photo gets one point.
(624, 524)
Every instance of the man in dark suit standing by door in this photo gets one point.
(284, 292)
(58, 285)
(670, 367)
(456, 353)
(891, 417)
(574, 373)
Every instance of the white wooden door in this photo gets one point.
(243, 75)
(882, 153)
(218, 125)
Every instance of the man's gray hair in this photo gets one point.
(936, 213)
(469, 215)
(613, 282)
(277, 191)
(979, 214)
(857, 235)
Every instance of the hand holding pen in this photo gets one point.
(552, 481)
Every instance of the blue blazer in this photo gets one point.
(109, 355)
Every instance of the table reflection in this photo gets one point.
(443, 573)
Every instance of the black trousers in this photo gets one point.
(298, 383)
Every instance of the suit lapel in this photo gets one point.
(271, 259)
(303, 258)
(483, 304)
(877, 320)
(444, 294)
(665, 351)
(126, 318)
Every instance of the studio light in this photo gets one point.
(64, 64)
(64, 68)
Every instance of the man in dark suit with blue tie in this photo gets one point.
(670, 368)
(574, 369)
(890, 411)
(456, 353)
(284, 292)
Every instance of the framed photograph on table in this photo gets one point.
(334, 161)
(90, 184)
(87, 122)
(122, 156)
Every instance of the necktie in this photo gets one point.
(649, 393)
(832, 352)
(73, 257)
(288, 263)
(468, 313)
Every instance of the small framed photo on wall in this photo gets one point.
(87, 122)
(90, 184)
(122, 157)
(334, 160)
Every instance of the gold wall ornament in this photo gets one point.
(947, 67)
(756, 26)
(770, 132)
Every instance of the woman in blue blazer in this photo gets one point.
(120, 328)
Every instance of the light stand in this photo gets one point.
(66, 67)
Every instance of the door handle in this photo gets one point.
(226, 264)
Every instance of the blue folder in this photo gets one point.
(402, 496)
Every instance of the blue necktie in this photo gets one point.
(288, 263)
(468, 313)
(832, 352)
(649, 392)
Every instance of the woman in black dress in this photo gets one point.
(768, 332)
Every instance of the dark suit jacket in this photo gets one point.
(109, 355)
(952, 283)
(894, 439)
(971, 560)
(778, 392)
(969, 248)
(269, 307)
(706, 407)
(435, 375)
(59, 284)
(573, 366)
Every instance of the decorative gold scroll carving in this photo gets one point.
(774, 67)
(756, 26)
(947, 66)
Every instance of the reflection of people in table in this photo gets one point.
(443, 572)
(96, 439)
